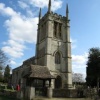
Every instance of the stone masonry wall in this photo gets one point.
(64, 93)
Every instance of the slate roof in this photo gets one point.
(40, 72)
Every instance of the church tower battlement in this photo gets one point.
(53, 48)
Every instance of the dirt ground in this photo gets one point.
(62, 99)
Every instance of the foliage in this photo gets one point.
(1, 76)
(7, 74)
(93, 67)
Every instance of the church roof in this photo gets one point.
(29, 61)
(41, 72)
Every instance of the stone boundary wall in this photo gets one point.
(64, 93)
(72, 93)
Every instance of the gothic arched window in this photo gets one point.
(57, 58)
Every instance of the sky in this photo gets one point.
(18, 28)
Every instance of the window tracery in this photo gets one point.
(57, 58)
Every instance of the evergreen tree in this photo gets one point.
(1, 76)
(7, 73)
(93, 67)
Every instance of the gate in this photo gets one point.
(40, 91)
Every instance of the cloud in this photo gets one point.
(7, 10)
(13, 62)
(56, 4)
(74, 42)
(21, 30)
(12, 52)
(13, 48)
(23, 5)
(30, 11)
(79, 59)
(79, 63)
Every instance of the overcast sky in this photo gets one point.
(18, 28)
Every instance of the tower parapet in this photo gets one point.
(53, 16)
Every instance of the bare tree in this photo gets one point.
(3, 63)
(77, 78)
(3, 59)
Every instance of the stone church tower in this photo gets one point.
(53, 48)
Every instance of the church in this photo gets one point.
(51, 67)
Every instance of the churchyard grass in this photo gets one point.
(6, 88)
(6, 98)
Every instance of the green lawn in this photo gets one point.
(6, 98)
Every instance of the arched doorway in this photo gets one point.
(58, 82)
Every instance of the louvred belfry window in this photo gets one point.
(57, 30)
